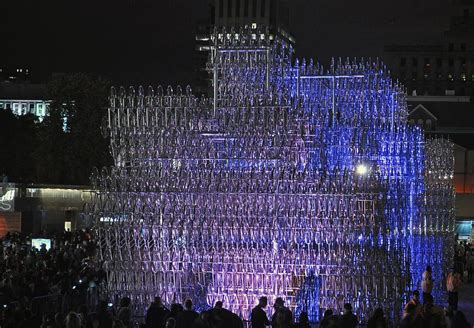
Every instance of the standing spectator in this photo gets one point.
(448, 312)
(103, 316)
(124, 314)
(117, 324)
(282, 317)
(304, 321)
(187, 317)
(410, 319)
(326, 318)
(73, 320)
(223, 318)
(59, 321)
(348, 319)
(204, 320)
(427, 282)
(83, 312)
(459, 321)
(459, 260)
(48, 321)
(377, 320)
(170, 323)
(433, 316)
(156, 314)
(470, 265)
(415, 300)
(453, 282)
(259, 317)
(176, 309)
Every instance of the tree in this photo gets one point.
(7, 144)
(17, 144)
(70, 137)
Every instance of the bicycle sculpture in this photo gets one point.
(291, 181)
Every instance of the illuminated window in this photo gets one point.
(254, 26)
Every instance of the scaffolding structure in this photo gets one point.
(293, 181)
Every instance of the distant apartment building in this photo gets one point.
(442, 68)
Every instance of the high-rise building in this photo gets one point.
(270, 16)
(442, 68)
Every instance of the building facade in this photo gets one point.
(24, 98)
(34, 209)
(442, 68)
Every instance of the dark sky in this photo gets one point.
(152, 41)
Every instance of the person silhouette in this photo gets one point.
(259, 317)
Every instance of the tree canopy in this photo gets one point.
(65, 147)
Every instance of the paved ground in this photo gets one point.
(466, 301)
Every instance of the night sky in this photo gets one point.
(146, 41)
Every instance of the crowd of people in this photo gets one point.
(464, 260)
(39, 286)
(51, 288)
